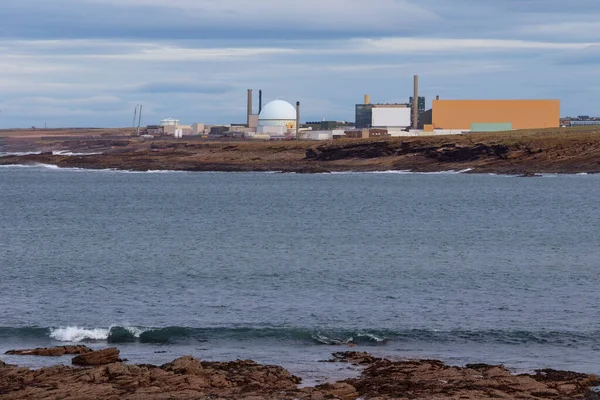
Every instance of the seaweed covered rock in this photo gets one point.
(51, 351)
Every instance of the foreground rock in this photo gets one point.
(184, 378)
(190, 378)
(99, 357)
(431, 379)
(51, 351)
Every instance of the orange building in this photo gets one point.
(495, 115)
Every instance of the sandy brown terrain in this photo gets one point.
(561, 150)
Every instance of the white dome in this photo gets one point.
(278, 110)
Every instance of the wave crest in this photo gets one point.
(179, 334)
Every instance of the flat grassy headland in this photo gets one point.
(556, 150)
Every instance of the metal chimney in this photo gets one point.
(249, 107)
(415, 121)
(367, 99)
(297, 120)
(259, 101)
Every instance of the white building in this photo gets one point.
(169, 122)
(392, 115)
(277, 117)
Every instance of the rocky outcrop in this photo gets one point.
(51, 351)
(99, 357)
(430, 379)
(189, 378)
(445, 153)
(353, 357)
(184, 378)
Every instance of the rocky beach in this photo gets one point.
(101, 374)
(559, 150)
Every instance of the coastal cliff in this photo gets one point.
(518, 152)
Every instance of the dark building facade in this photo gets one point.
(420, 104)
(363, 116)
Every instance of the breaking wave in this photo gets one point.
(400, 172)
(180, 334)
(70, 153)
(19, 153)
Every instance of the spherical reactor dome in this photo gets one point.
(277, 112)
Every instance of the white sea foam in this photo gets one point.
(372, 337)
(76, 334)
(19, 153)
(400, 172)
(136, 332)
(70, 153)
(36, 165)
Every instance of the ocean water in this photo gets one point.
(286, 269)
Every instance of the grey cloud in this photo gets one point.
(183, 87)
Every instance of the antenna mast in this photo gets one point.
(139, 121)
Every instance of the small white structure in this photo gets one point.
(169, 122)
(316, 135)
(277, 117)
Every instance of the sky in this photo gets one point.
(89, 63)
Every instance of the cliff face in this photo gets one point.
(447, 152)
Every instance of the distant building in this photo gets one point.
(420, 108)
(494, 115)
(363, 117)
(366, 133)
(581, 120)
(156, 130)
(420, 104)
(382, 115)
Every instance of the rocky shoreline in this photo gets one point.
(101, 374)
(568, 151)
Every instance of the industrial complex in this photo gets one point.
(280, 120)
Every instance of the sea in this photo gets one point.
(287, 268)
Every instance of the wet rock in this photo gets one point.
(184, 365)
(99, 357)
(51, 351)
(353, 357)
(342, 391)
(188, 378)
(593, 393)
(431, 379)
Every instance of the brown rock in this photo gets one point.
(188, 378)
(51, 351)
(353, 357)
(342, 391)
(99, 357)
(184, 365)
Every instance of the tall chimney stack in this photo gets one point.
(416, 103)
(249, 107)
(367, 99)
(259, 101)
(297, 120)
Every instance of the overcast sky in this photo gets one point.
(90, 62)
